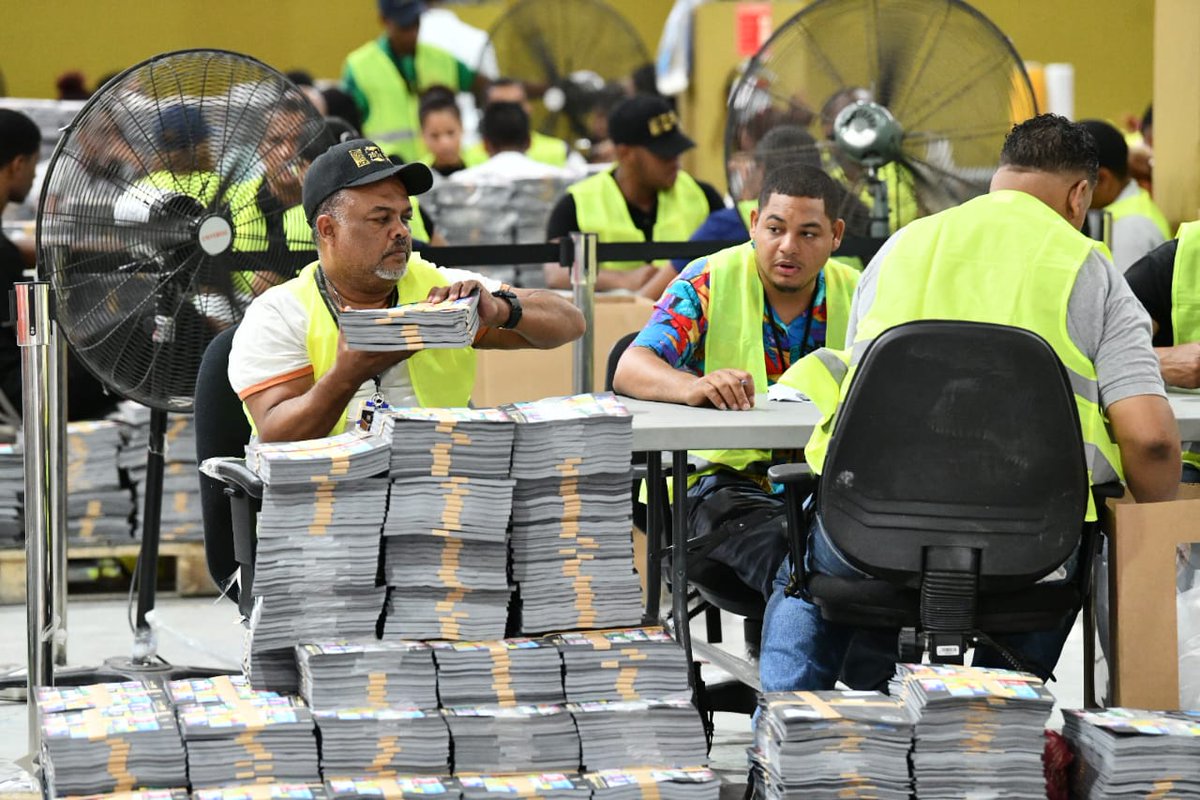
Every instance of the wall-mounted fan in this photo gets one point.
(905, 102)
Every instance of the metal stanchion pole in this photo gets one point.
(583, 285)
(39, 363)
(57, 402)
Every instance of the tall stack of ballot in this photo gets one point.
(445, 539)
(266, 791)
(974, 728)
(1124, 752)
(543, 785)
(503, 672)
(383, 741)
(180, 517)
(367, 674)
(622, 664)
(617, 734)
(99, 507)
(318, 549)
(537, 738)
(110, 737)
(405, 787)
(413, 326)
(828, 744)
(654, 783)
(572, 556)
(237, 735)
(12, 495)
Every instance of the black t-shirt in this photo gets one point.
(564, 219)
(1150, 278)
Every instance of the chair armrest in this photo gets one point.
(1113, 489)
(800, 476)
(234, 473)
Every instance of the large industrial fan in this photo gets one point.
(575, 53)
(905, 102)
(170, 201)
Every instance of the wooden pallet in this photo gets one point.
(191, 568)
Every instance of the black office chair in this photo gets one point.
(229, 503)
(956, 479)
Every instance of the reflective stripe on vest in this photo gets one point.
(1140, 205)
(440, 378)
(945, 267)
(600, 208)
(1185, 304)
(734, 339)
(392, 120)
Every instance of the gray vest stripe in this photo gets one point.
(837, 368)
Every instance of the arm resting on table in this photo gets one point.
(1148, 436)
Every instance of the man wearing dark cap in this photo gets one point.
(290, 365)
(386, 77)
(645, 197)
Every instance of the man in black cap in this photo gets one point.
(645, 197)
(386, 77)
(290, 365)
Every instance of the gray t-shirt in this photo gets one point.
(1104, 320)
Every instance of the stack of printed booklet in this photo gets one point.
(504, 672)
(572, 554)
(12, 494)
(99, 508)
(179, 519)
(1124, 752)
(367, 673)
(413, 326)
(623, 664)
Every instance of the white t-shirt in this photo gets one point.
(508, 166)
(269, 348)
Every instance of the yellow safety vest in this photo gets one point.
(1185, 304)
(441, 378)
(600, 208)
(734, 339)
(945, 267)
(542, 148)
(392, 119)
(1140, 205)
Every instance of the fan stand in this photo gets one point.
(878, 227)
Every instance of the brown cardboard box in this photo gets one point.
(506, 376)
(1144, 663)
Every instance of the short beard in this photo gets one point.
(392, 275)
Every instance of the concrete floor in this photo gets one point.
(205, 632)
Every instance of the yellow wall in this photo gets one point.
(40, 39)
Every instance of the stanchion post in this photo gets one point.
(583, 285)
(43, 469)
(58, 538)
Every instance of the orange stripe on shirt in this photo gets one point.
(278, 379)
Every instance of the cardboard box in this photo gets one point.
(506, 376)
(1143, 538)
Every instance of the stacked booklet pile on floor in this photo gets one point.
(110, 737)
(617, 734)
(654, 783)
(974, 728)
(504, 672)
(545, 785)
(318, 548)
(235, 734)
(538, 738)
(406, 787)
(825, 744)
(180, 517)
(445, 551)
(572, 554)
(266, 791)
(622, 664)
(367, 674)
(12, 493)
(383, 741)
(1124, 752)
(99, 508)
(413, 326)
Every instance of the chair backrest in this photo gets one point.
(956, 434)
(614, 356)
(221, 430)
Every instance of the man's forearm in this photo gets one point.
(311, 415)
(642, 374)
(548, 320)
(1180, 365)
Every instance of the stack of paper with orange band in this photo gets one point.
(402, 787)
(12, 494)
(617, 734)
(236, 735)
(532, 738)
(824, 744)
(99, 508)
(345, 457)
(367, 674)
(622, 664)
(504, 672)
(654, 783)
(572, 554)
(264, 791)
(1127, 752)
(413, 326)
(542, 785)
(111, 737)
(383, 742)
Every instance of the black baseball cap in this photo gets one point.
(357, 162)
(404, 13)
(648, 121)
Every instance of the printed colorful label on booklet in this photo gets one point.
(579, 406)
(386, 787)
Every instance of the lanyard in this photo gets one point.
(781, 348)
(323, 287)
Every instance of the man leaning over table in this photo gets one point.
(726, 328)
(289, 363)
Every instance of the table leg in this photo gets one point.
(679, 541)
(654, 536)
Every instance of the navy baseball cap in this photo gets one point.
(404, 13)
(648, 121)
(357, 162)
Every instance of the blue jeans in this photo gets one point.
(802, 651)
